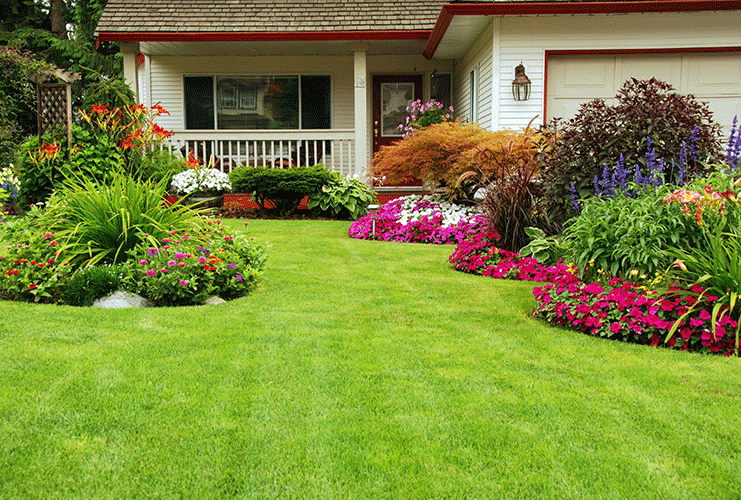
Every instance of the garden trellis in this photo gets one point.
(54, 102)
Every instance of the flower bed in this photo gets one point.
(419, 219)
(628, 312)
(620, 310)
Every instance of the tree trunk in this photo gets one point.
(56, 15)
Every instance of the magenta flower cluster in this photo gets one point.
(480, 255)
(425, 222)
(628, 312)
(620, 310)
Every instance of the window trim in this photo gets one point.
(473, 90)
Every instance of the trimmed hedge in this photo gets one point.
(284, 187)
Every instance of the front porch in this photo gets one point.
(282, 104)
(271, 148)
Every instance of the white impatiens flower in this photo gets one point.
(203, 180)
(414, 207)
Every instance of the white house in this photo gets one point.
(299, 81)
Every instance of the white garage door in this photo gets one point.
(712, 77)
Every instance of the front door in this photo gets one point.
(391, 96)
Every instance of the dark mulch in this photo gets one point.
(256, 213)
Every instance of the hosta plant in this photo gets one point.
(343, 197)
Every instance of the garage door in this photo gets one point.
(712, 77)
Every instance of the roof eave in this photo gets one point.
(265, 36)
(449, 11)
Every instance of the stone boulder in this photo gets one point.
(122, 300)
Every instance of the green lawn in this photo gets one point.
(355, 370)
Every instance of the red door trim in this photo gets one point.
(567, 52)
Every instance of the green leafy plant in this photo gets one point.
(622, 234)
(102, 222)
(284, 188)
(91, 283)
(547, 250)
(186, 268)
(599, 134)
(343, 197)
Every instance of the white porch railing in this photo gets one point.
(270, 148)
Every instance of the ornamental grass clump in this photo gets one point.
(101, 223)
(420, 219)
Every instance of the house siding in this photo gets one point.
(526, 39)
(478, 58)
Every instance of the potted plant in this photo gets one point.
(201, 184)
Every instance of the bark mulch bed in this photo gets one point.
(257, 213)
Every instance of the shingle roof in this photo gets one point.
(194, 16)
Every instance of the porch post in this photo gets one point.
(129, 51)
(361, 110)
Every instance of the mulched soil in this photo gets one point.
(256, 213)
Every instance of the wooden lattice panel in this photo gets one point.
(52, 106)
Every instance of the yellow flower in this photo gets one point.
(679, 264)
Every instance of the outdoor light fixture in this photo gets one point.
(521, 84)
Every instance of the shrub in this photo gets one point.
(646, 110)
(103, 222)
(284, 188)
(89, 284)
(343, 197)
(419, 219)
(442, 152)
(187, 268)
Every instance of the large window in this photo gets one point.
(258, 102)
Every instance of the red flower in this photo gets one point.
(32, 286)
(99, 108)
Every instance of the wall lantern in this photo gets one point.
(521, 84)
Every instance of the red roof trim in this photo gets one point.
(267, 36)
(566, 8)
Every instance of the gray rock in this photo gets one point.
(122, 300)
(213, 300)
